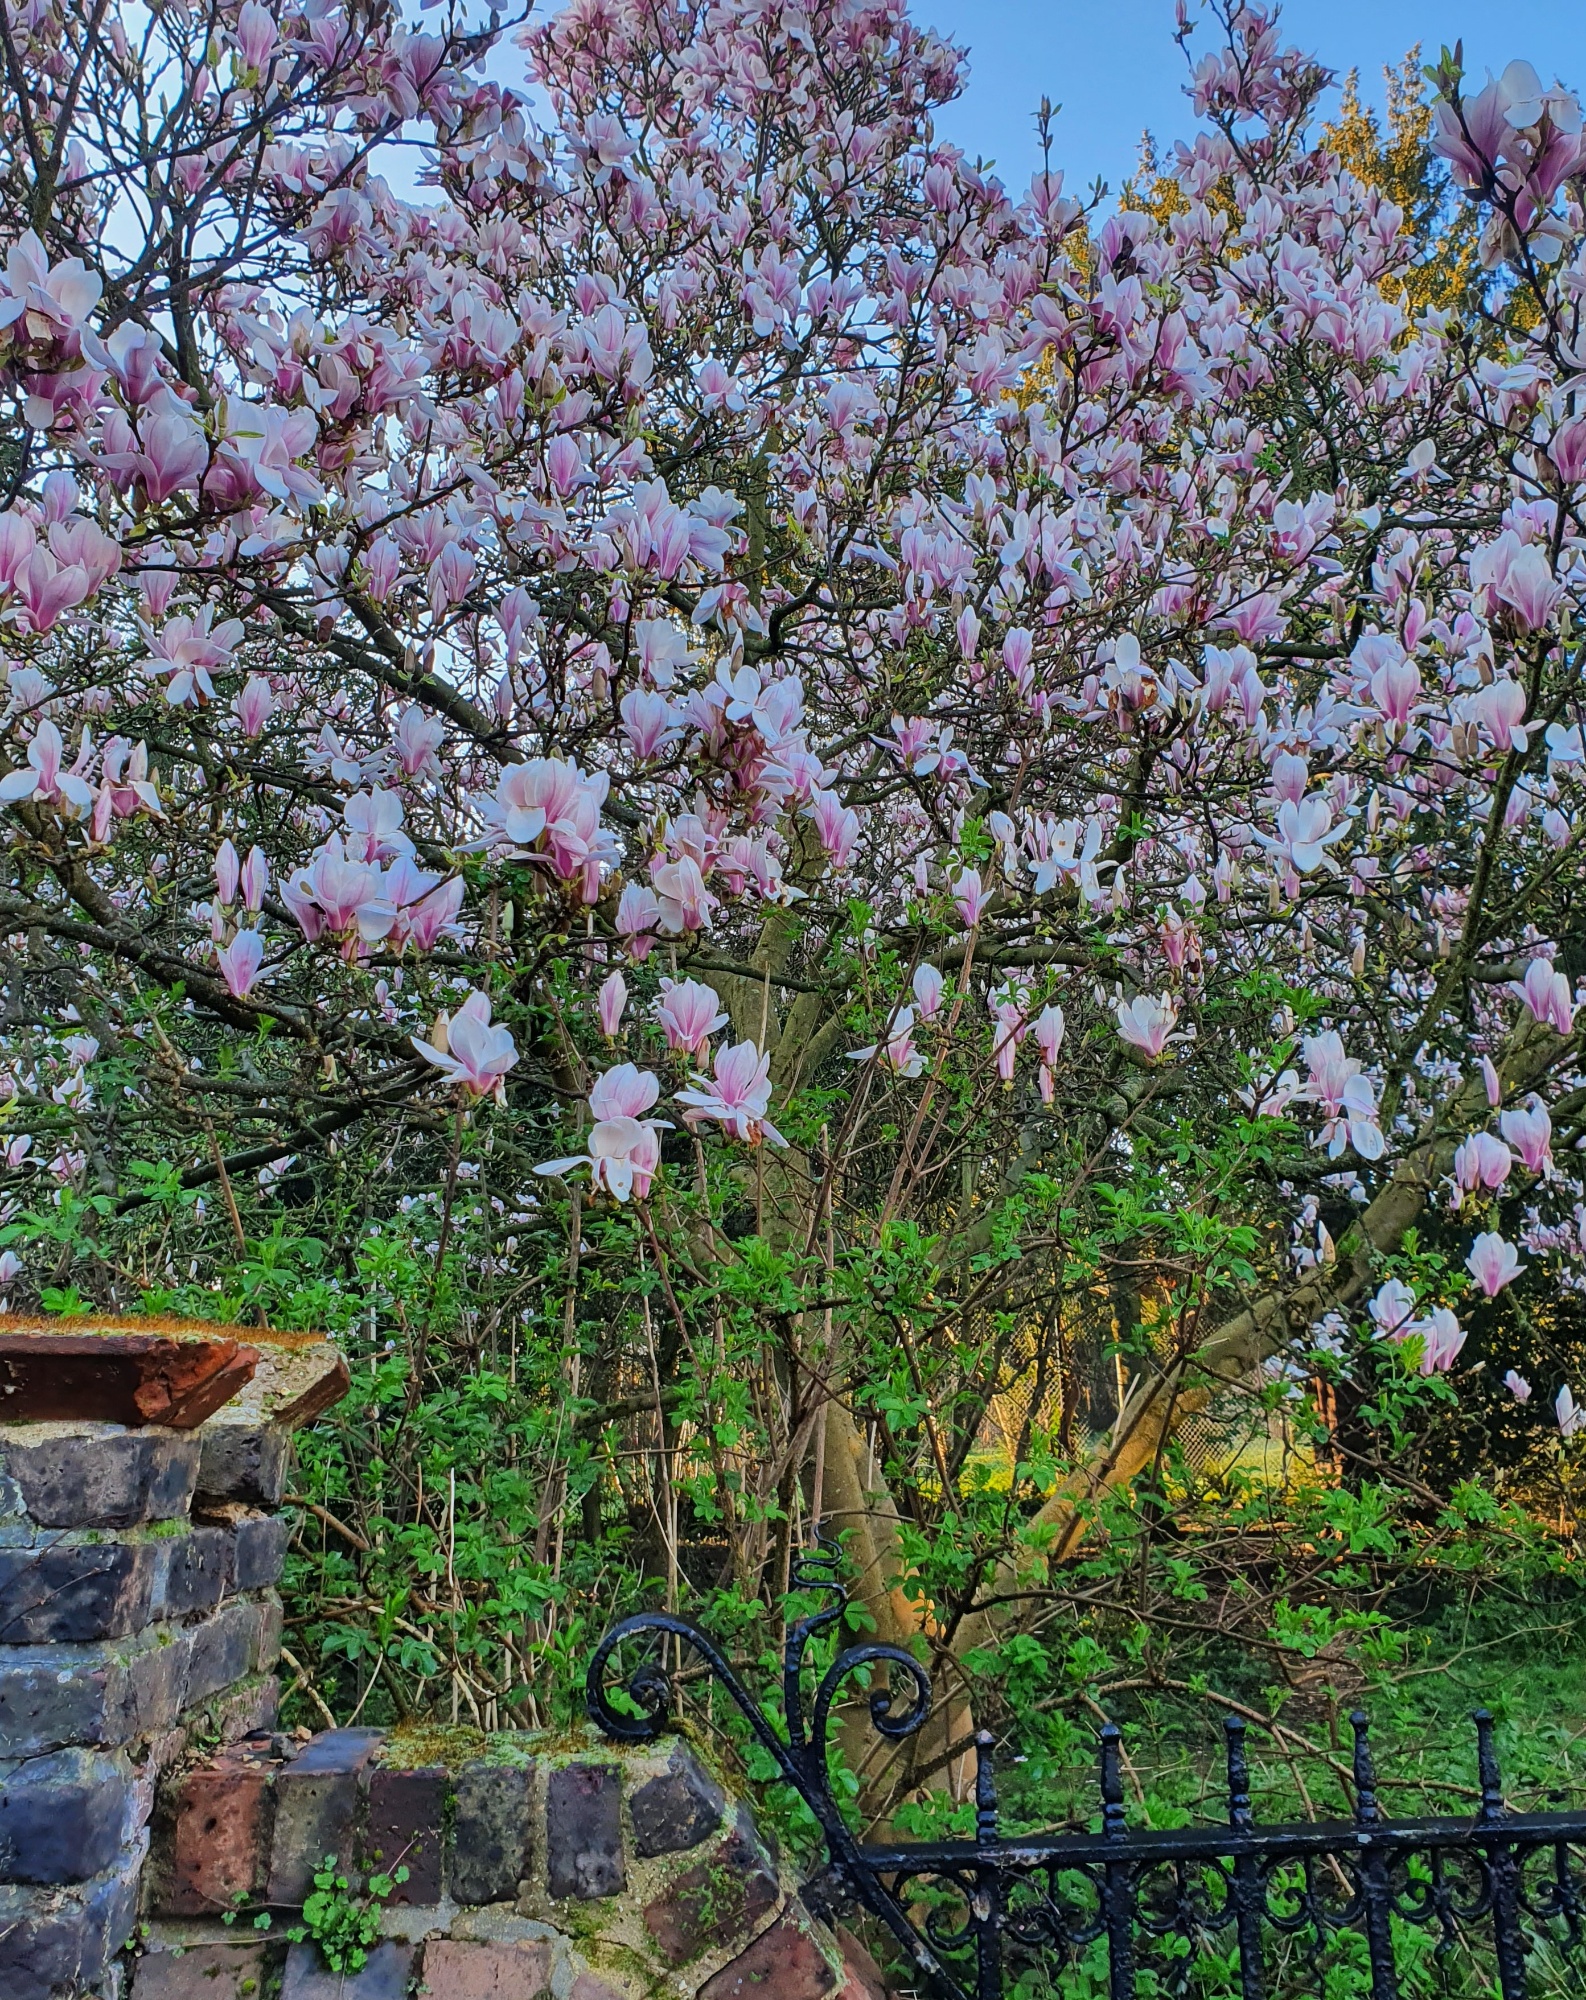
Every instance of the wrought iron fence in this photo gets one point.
(1329, 1906)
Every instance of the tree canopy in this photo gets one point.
(809, 840)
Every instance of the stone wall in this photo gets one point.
(146, 1794)
(137, 1618)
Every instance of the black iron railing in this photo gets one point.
(1202, 1909)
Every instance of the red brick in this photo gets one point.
(866, 1980)
(203, 1972)
(405, 1814)
(783, 1963)
(716, 1902)
(222, 1820)
(587, 1987)
(457, 1971)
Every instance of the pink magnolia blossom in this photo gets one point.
(470, 1051)
(649, 722)
(1305, 832)
(189, 649)
(1568, 451)
(239, 963)
(171, 458)
(1493, 1262)
(41, 777)
(1346, 1095)
(1546, 992)
(737, 1097)
(1517, 1386)
(1517, 574)
(1395, 690)
(896, 1051)
(927, 985)
(1571, 1416)
(1442, 1337)
(374, 826)
(432, 916)
(1146, 1022)
(339, 896)
(1500, 709)
(1006, 1007)
(612, 998)
(228, 872)
(624, 1145)
(970, 898)
(1529, 1130)
(1492, 1081)
(61, 296)
(837, 825)
(1481, 1161)
(257, 35)
(624, 1091)
(1392, 1309)
(638, 919)
(47, 588)
(254, 879)
(1047, 1029)
(622, 1158)
(253, 704)
(684, 903)
(416, 740)
(549, 810)
(689, 1014)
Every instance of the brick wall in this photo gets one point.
(565, 1868)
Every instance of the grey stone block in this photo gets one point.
(102, 1693)
(384, 1976)
(583, 1831)
(84, 1475)
(63, 1816)
(192, 1573)
(490, 1831)
(677, 1810)
(243, 1461)
(259, 1550)
(316, 1809)
(56, 1941)
(223, 1648)
(272, 1623)
(72, 1591)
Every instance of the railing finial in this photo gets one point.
(1487, 1768)
(1367, 1811)
(1238, 1774)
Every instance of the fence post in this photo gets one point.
(1507, 1937)
(1373, 1869)
(988, 1875)
(1247, 1876)
(1117, 1894)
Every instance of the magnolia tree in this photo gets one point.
(723, 787)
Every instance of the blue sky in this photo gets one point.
(1113, 67)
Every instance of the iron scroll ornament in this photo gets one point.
(801, 1758)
